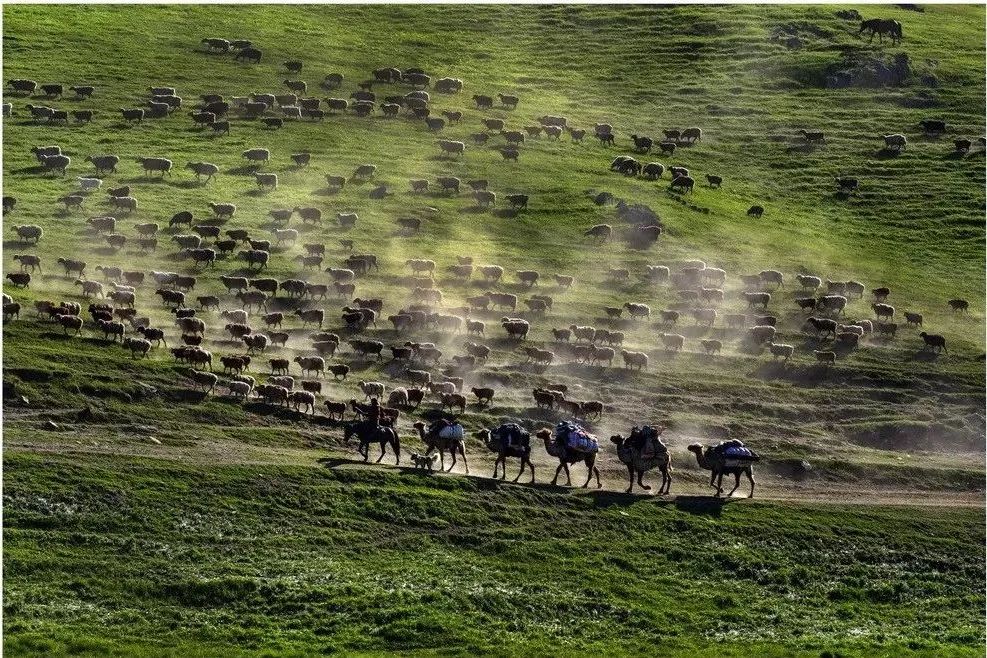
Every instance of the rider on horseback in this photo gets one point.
(373, 415)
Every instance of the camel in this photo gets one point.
(567, 457)
(495, 443)
(713, 460)
(432, 439)
(630, 456)
(382, 435)
(880, 27)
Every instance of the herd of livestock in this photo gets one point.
(110, 299)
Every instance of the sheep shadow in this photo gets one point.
(257, 193)
(924, 356)
(243, 170)
(804, 149)
(146, 180)
(475, 210)
(506, 213)
(771, 370)
(38, 169)
(955, 155)
(887, 153)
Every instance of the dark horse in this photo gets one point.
(880, 27)
(382, 434)
(566, 457)
(522, 449)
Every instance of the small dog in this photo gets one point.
(423, 461)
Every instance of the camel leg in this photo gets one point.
(364, 450)
(589, 474)
(719, 485)
(630, 473)
(750, 476)
(532, 467)
(442, 459)
(640, 481)
(568, 476)
(521, 472)
(666, 480)
(599, 482)
(383, 450)
(736, 485)
(555, 479)
(462, 451)
(453, 464)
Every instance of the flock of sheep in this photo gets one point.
(240, 323)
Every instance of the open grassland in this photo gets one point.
(220, 531)
(123, 557)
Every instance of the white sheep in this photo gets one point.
(89, 184)
(372, 389)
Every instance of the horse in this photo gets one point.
(880, 27)
(382, 434)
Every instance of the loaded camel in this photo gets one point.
(566, 457)
(629, 452)
(496, 442)
(714, 460)
(434, 441)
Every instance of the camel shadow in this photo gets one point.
(701, 505)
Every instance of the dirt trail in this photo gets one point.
(687, 482)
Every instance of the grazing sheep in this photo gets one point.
(896, 142)
(637, 360)
(528, 277)
(825, 357)
(452, 147)
(824, 326)
(23, 279)
(711, 346)
(602, 232)
(913, 318)
(760, 334)
(757, 298)
(23, 86)
(935, 341)
(563, 280)
(883, 311)
(959, 305)
(672, 342)
(201, 169)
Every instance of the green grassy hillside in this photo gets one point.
(219, 522)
